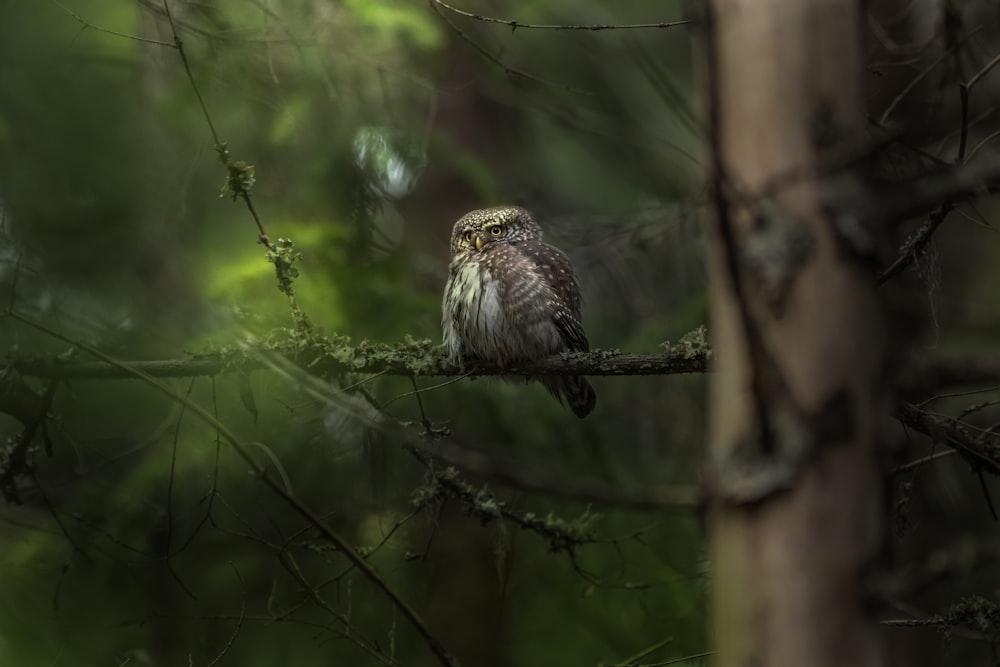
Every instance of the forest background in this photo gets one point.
(464, 516)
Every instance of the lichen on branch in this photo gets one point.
(331, 355)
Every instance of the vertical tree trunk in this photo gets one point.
(797, 507)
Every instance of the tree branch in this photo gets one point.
(915, 245)
(976, 446)
(489, 465)
(514, 25)
(531, 478)
(404, 359)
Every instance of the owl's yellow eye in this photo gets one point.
(468, 237)
(496, 230)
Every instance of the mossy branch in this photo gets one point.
(323, 355)
(562, 535)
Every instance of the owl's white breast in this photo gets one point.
(475, 324)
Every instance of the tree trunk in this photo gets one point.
(797, 505)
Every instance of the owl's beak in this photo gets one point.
(479, 242)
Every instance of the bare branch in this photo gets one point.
(510, 71)
(917, 243)
(514, 25)
(963, 94)
(909, 87)
(241, 177)
(979, 449)
(179, 45)
(87, 24)
(239, 621)
(916, 463)
(915, 622)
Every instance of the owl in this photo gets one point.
(510, 297)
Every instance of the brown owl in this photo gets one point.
(510, 297)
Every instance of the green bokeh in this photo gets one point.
(110, 187)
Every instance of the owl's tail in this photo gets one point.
(575, 390)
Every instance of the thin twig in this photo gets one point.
(963, 95)
(168, 542)
(986, 495)
(220, 147)
(909, 87)
(239, 621)
(350, 633)
(328, 533)
(982, 144)
(983, 72)
(515, 25)
(914, 622)
(664, 663)
(646, 652)
(425, 389)
(919, 242)
(87, 24)
(916, 463)
(510, 71)
(179, 45)
(956, 394)
(213, 490)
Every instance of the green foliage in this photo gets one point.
(356, 133)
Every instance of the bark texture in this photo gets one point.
(797, 507)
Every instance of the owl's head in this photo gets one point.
(477, 230)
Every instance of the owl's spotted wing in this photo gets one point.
(572, 331)
(567, 313)
(547, 279)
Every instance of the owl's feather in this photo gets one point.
(512, 297)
